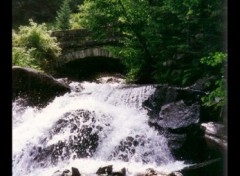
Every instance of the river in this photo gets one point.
(94, 125)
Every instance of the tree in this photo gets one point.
(113, 17)
(162, 41)
(34, 47)
(63, 16)
(38, 10)
(186, 32)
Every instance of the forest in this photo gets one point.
(165, 42)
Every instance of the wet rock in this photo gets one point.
(152, 172)
(37, 87)
(105, 170)
(215, 132)
(63, 173)
(57, 173)
(66, 173)
(215, 129)
(188, 143)
(200, 84)
(82, 141)
(111, 79)
(175, 141)
(127, 146)
(165, 94)
(175, 174)
(76, 87)
(65, 81)
(123, 170)
(108, 170)
(161, 96)
(207, 168)
(120, 173)
(178, 114)
(178, 121)
(75, 172)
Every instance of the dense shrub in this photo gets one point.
(216, 97)
(34, 47)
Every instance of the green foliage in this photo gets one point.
(129, 55)
(189, 31)
(33, 46)
(112, 18)
(74, 21)
(23, 57)
(214, 59)
(63, 16)
(161, 40)
(216, 97)
(38, 10)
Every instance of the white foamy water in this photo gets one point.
(114, 114)
(89, 167)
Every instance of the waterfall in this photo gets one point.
(94, 125)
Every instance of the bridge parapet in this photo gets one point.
(78, 44)
(76, 39)
(73, 33)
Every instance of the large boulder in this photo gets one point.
(36, 87)
(165, 94)
(215, 133)
(178, 114)
(175, 112)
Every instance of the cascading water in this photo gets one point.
(94, 125)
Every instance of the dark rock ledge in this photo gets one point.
(36, 87)
(108, 171)
(216, 133)
(191, 170)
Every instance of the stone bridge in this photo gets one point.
(83, 57)
(77, 44)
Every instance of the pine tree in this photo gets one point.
(63, 16)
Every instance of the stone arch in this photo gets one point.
(86, 64)
(85, 53)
